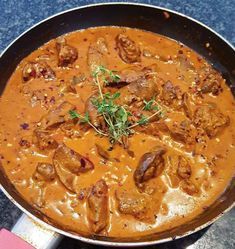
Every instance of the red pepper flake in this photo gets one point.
(24, 126)
(52, 100)
(24, 143)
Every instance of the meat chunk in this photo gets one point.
(183, 132)
(43, 139)
(72, 161)
(171, 170)
(136, 205)
(34, 70)
(67, 178)
(132, 74)
(127, 76)
(150, 165)
(128, 51)
(209, 81)
(57, 116)
(96, 54)
(43, 136)
(184, 61)
(92, 110)
(67, 54)
(143, 89)
(171, 95)
(178, 169)
(187, 106)
(154, 128)
(103, 153)
(98, 213)
(44, 172)
(210, 119)
(184, 169)
(189, 187)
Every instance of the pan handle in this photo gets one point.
(35, 234)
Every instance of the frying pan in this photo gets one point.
(176, 26)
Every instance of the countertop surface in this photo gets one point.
(17, 16)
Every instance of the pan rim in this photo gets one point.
(97, 241)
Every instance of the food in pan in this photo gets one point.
(117, 132)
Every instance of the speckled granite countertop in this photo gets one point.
(17, 16)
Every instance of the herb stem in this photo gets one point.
(147, 118)
(99, 86)
(97, 130)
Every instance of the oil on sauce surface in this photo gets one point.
(24, 103)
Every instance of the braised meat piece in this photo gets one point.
(132, 74)
(150, 165)
(92, 110)
(44, 172)
(187, 106)
(171, 170)
(67, 54)
(136, 205)
(210, 119)
(189, 187)
(34, 70)
(103, 153)
(96, 54)
(171, 95)
(184, 169)
(156, 128)
(183, 132)
(143, 89)
(68, 165)
(209, 81)
(127, 76)
(98, 212)
(67, 178)
(184, 61)
(179, 172)
(71, 160)
(57, 116)
(128, 51)
(43, 139)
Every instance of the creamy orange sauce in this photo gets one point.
(172, 206)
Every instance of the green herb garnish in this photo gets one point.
(116, 117)
(143, 120)
(84, 120)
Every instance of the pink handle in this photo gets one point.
(9, 240)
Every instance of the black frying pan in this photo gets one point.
(179, 27)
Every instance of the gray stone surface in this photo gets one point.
(16, 16)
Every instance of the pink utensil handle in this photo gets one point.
(9, 240)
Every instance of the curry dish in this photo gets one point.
(117, 131)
